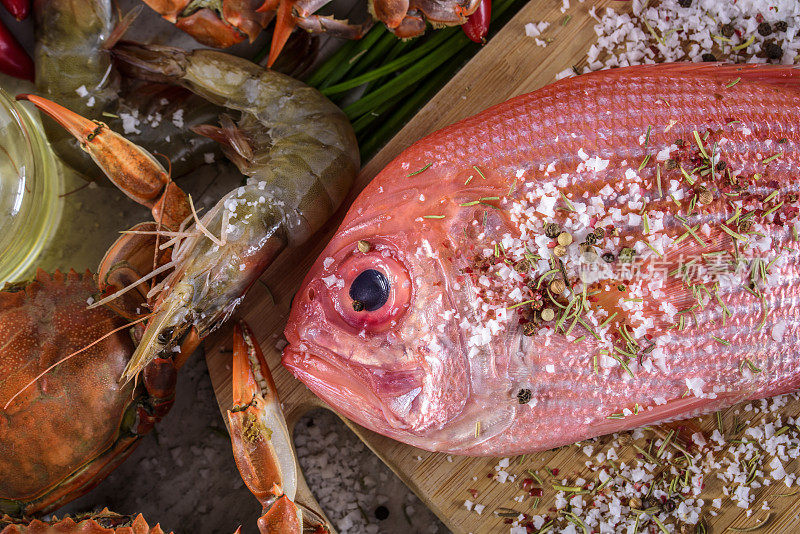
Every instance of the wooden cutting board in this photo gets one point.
(511, 64)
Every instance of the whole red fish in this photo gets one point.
(610, 251)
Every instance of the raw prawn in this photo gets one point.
(300, 155)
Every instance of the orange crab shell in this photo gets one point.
(239, 20)
(71, 428)
(104, 522)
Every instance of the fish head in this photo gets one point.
(374, 328)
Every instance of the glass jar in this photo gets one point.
(30, 185)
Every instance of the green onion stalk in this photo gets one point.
(381, 82)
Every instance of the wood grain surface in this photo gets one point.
(511, 64)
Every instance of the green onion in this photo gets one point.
(745, 44)
(420, 170)
(734, 82)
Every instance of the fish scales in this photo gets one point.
(690, 171)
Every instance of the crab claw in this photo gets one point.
(131, 168)
(285, 24)
(261, 442)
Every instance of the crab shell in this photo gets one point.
(217, 23)
(104, 522)
(75, 424)
(407, 18)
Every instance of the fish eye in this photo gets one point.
(369, 287)
(369, 290)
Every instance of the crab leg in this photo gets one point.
(261, 442)
(137, 174)
(293, 13)
(131, 168)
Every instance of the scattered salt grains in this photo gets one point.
(687, 33)
(349, 482)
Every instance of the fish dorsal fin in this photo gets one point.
(778, 76)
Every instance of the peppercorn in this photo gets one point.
(363, 246)
(528, 329)
(773, 50)
(706, 197)
(781, 26)
(679, 142)
(599, 232)
(721, 166)
(635, 502)
(557, 286)
(552, 230)
(671, 164)
(728, 30)
(685, 3)
(626, 255)
(524, 396)
(564, 238)
(591, 239)
(764, 29)
(522, 266)
(708, 57)
(608, 257)
(668, 506)
(559, 251)
(548, 314)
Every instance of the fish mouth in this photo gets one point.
(376, 398)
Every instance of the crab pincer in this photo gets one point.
(131, 168)
(143, 179)
(261, 442)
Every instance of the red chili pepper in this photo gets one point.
(14, 61)
(18, 8)
(477, 25)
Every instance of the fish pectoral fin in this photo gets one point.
(480, 421)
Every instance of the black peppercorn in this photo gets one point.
(524, 396)
(685, 3)
(599, 232)
(773, 50)
(608, 257)
(728, 30)
(721, 166)
(591, 238)
(708, 57)
(528, 329)
(552, 230)
(764, 29)
(781, 26)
